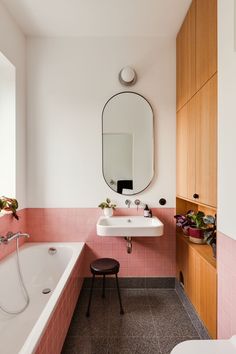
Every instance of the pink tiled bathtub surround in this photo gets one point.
(53, 338)
(8, 223)
(151, 257)
(226, 265)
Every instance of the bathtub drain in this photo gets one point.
(52, 250)
(46, 291)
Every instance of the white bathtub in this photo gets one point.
(21, 333)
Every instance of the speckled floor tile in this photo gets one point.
(171, 323)
(160, 298)
(133, 345)
(136, 323)
(131, 298)
(96, 325)
(154, 322)
(167, 344)
(85, 345)
(97, 299)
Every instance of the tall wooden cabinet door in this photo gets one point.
(206, 295)
(185, 150)
(206, 41)
(185, 58)
(206, 142)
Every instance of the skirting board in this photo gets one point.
(133, 283)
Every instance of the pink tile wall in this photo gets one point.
(226, 265)
(54, 335)
(8, 223)
(151, 257)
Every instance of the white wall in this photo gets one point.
(69, 81)
(8, 128)
(12, 45)
(227, 118)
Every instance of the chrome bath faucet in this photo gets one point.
(10, 236)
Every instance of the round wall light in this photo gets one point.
(127, 76)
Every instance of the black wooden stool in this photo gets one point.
(104, 266)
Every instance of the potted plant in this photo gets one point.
(210, 232)
(9, 205)
(199, 227)
(183, 222)
(204, 228)
(107, 207)
(196, 229)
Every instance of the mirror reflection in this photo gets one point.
(127, 132)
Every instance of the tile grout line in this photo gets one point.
(152, 316)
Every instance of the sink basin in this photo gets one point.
(129, 226)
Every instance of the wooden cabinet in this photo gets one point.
(186, 150)
(206, 142)
(185, 57)
(196, 146)
(206, 41)
(198, 268)
(196, 49)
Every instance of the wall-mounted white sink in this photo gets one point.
(129, 226)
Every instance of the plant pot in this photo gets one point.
(196, 235)
(185, 230)
(108, 212)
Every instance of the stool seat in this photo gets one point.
(104, 266)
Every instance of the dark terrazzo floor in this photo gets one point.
(154, 322)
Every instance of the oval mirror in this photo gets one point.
(127, 137)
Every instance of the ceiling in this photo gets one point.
(98, 17)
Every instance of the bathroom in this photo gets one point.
(60, 67)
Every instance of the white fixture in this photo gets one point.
(127, 76)
(219, 346)
(130, 226)
(28, 327)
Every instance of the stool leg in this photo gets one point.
(103, 286)
(90, 297)
(118, 290)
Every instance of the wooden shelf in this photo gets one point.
(205, 251)
(196, 202)
(184, 204)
